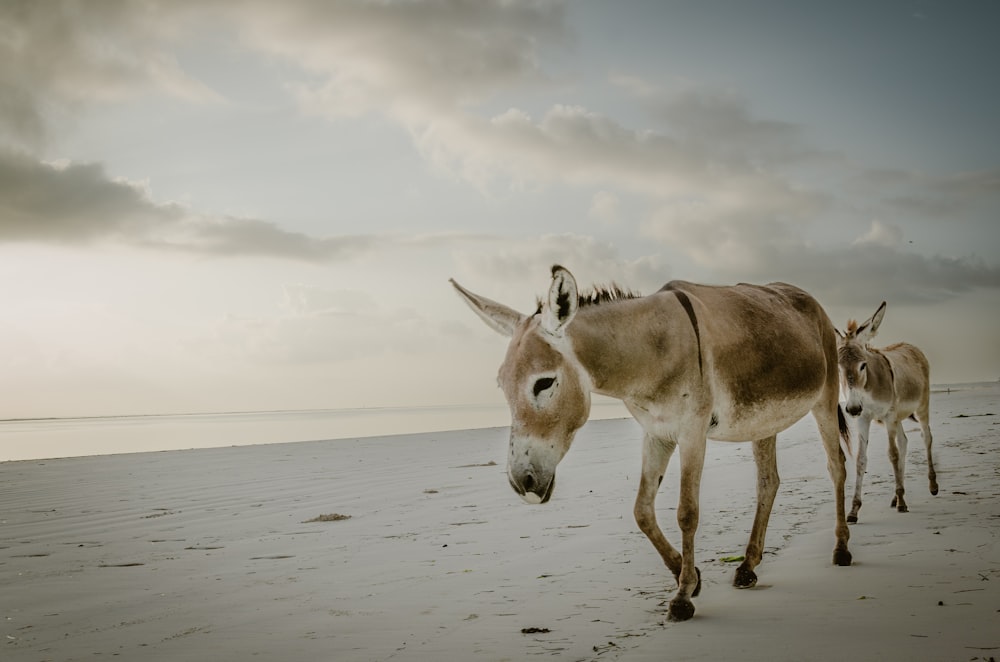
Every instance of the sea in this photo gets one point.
(39, 438)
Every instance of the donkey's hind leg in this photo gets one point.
(766, 459)
(925, 431)
(830, 421)
(897, 457)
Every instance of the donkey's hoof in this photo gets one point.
(892, 504)
(934, 490)
(852, 519)
(901, 508)
(681, 609)
(841, 557)
(745, 577)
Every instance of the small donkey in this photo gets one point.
(887, 386)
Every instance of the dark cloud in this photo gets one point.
(79, 204)
(724, 126)
(571, 144)
(867, 271)
(930, 195)
(252, 237)
(762, 245)
(71, 203)
(20, 115)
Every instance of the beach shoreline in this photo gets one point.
(50, 438)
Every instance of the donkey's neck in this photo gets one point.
(880, 375)
(633, 348)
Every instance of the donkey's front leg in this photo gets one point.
(861, 466)
(692, 464)
(766, 459)
(656, 455)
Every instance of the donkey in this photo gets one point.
(888, 386)
(689, 362)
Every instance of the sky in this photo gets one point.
(235, 206)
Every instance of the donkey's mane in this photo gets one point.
(605, 294)
(852, 330)
(600, 294)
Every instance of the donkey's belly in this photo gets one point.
(758, 422)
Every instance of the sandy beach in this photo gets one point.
(414, 547)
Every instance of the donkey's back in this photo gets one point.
(911, 378)
(769, 353)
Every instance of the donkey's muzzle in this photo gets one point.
(853, 410)
(531, 489)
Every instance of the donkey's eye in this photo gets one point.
(862, 367)
(543, 384)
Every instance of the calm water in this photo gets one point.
(68, 437)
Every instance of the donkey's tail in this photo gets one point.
(845, 432)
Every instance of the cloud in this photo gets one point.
(427, 65)
(874, 266)
(733, 226)
(310, 300)
(407, 60)
(230, 236)
(881, 234)
(508, 267)
(331, 338)
(576, 146)
(394, 58)
(927, 195)
(71, 203)
(423, 64)
(61, 55)
(715, 173)
(842, 276)
(722, 124)
(604, 207)
(79, 203)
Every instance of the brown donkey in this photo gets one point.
(690, 362)
(887, 386)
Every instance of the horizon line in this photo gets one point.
(28, 419)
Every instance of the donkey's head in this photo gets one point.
(547, 389)
(852, 356)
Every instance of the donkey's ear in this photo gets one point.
(497, 316)
(563, 301)
(868, 330)
(840, 336)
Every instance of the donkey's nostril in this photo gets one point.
(528, 483)
(854, 411)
